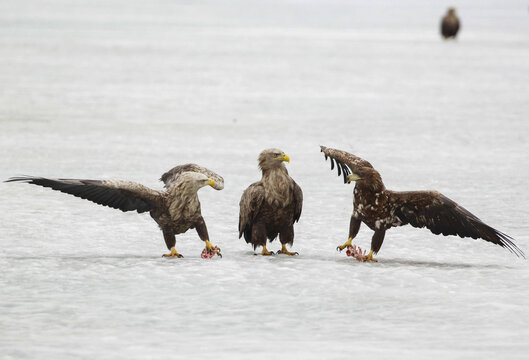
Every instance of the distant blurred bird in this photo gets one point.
(381, 209)
(450, 24)
(175, 210)
(271, 206)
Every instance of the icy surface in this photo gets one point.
(128, 89)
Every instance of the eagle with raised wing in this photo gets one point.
(270, 207)
(175, 209)
(382, 209)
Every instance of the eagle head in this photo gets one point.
(368, 177)
(195, 180)
(272, 158)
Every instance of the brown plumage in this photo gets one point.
(382, 209)
(175, 210)
(271, 206)
(450, 24)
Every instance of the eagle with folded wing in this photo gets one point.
(175, 210)
(450, 24)
(381, 209)
(270, 207)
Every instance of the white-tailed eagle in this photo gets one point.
(382, 209)
(175, 209)
(270, 207)
(450, 24)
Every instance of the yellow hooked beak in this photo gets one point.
(283, 157)
(353, 177)
(210, 182)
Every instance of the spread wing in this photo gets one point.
(117, 194)
(169, 177)
(250, 204)
(345, 162)
(298, 201)
(441, 215)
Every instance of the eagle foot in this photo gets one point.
(265, 252)
(209, 253)
(286, 252)
(289, 253)
(173, 254)
(268, 253)
(370, 257)
(346, 245)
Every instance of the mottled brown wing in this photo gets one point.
(170, 176)
(345, 162)
(298, 201)
(122, 195)
(250, 204)
(441, 215)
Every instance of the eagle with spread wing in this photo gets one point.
(175, 210)
(382, 209)
(270, 207)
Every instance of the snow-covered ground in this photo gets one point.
(128, 89)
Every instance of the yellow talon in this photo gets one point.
(347, 243)
(286, 252)
(370, 257)
(265, 252)
(210, 250)
(173, 254)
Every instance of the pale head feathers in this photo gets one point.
(191, 181)
(272, 158)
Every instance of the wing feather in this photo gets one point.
(442, 215)
(117, 194)
(298, 201)
(345, 162)
(172, 175)
(250, 204)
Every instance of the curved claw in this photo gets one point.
(173, 255)
(266, 252)
(286, 252)
(346, 245)
(370, 257)
(210, 251)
